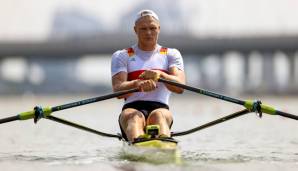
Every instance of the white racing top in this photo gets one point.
(134, 61)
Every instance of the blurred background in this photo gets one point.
(58, 51)
(65, 46)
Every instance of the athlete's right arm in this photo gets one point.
(119, 82)
(119, 72)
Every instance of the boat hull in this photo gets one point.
(156, 151)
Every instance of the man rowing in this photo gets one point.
(140, 66)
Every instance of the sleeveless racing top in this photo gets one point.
(134, 61)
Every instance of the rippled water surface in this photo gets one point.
(244, 143)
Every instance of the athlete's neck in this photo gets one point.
(146, 47)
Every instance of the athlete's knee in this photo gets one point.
(155, 117)
(131, 115)
(160, 116)
(157, 114)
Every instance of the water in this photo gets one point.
(246, 143)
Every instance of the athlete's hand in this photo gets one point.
(151, 75)
(145, 85)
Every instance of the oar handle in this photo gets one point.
(9, 119)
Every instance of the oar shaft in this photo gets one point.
(9, 119)
(204, 92)
(92, 100)
(45, 112)
(284, 114)
(252, 106)
(209, 124)
(75, 125)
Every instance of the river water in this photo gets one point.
(244, 143)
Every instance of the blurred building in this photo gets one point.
(235, 46)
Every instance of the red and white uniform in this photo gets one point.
(134, 61)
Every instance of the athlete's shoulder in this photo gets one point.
(119, 52)
(170, 51)
(123, 53)
(173, 51)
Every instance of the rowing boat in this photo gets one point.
(151, 148)
(157, 151)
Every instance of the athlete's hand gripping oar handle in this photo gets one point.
(39, 112)
(252, 106)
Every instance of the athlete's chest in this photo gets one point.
(156, 61)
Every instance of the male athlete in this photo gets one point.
(140, 66)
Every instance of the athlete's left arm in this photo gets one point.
(176, 75)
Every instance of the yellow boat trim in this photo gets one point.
(155, 143)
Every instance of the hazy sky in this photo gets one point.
(36, 19)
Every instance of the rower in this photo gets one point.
(140, 66)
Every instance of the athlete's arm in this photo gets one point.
(175, 71)
(119, 82)
(176, 75)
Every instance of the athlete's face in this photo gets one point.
(147, 29)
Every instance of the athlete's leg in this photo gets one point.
(132, 122)
(163, 118)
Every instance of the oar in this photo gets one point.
(76, 125)
(39, 112)
(252, 106)
(209, 124)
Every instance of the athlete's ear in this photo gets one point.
(135, 29)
